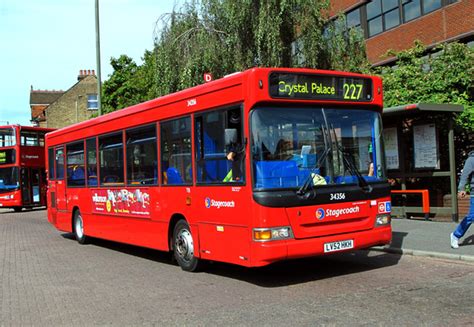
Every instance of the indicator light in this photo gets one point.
(272, 234)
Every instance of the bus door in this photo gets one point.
(35, 185)
(25, 186)
(43, 187)
(60, 182)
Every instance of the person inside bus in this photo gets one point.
(284, 150)
(235, 150)
(371, 161)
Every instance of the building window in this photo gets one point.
(92, 103)
(353, 18)
(391, 14)
(411, 9)
(382, 15)
(431, 5)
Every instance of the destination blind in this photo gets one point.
(320, 87)
(7, 156)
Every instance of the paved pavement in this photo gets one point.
(429, 238)
(47, 279)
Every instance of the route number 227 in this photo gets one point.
(352, 91)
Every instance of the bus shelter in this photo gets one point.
(420, 154)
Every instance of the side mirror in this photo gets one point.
(230, 136)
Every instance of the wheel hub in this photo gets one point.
(184, 245)
(79, 227)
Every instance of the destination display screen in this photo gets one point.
(7, 157)
(320, 87)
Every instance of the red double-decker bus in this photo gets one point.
(22, 167)
(259, 166)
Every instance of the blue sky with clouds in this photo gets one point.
(44, 43)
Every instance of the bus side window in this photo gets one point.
(176, 163)
(111, 159)
(141, 155)
(59, 163)
(75, 164)
(91, 162)
(219, 150)
(51, 161)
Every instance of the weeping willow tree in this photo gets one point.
(225, 36)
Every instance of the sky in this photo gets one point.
(44, 44)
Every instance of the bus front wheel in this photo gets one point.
(183, 247)
(78, 228)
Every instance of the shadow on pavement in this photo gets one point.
(467, 241)
(397, 239)
(279, 274)
(145, 253)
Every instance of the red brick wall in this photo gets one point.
(442, 24)
(337, 6)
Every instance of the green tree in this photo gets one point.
(225, 36)
(447, 77)
(121, 89)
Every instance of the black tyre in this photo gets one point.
(18, 209)
(78, 228)
(183, 247)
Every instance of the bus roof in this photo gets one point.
(259, 77)
(28, 128)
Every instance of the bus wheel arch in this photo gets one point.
(182, 243)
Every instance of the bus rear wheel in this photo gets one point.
(78, 228)
(183, 247)
(17, 209)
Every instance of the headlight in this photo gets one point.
(382, 220)
(272, 234)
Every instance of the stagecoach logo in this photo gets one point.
(29, 156)
(320, 214)
(208, 202)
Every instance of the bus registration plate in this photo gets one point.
(338, 246)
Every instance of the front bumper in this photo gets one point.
(264, 253)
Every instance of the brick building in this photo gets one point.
(77, 104)
(39, 101)
(396, 24)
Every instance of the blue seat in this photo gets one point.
(173, 176)
(275, 174)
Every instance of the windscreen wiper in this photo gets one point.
(309, 184)
(348, 159)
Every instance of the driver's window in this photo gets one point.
(220, 150)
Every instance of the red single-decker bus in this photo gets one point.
(259, 166)
(22, 167)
